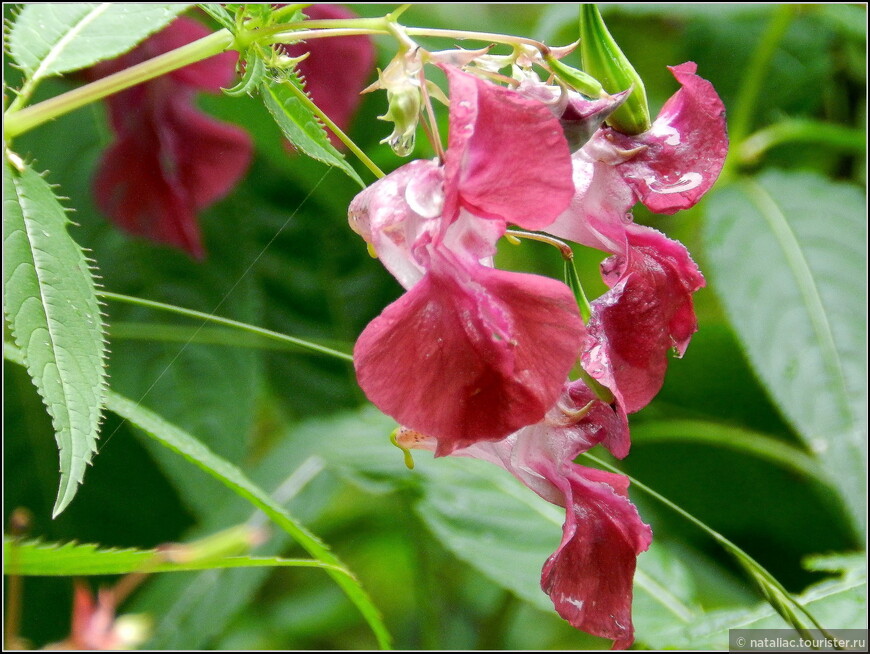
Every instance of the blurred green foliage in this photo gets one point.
(280, 255)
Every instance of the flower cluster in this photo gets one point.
(474, 361)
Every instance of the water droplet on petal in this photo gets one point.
(685, 183)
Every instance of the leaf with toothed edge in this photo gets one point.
(299, 124)
(55, 38)
(53, 314)
(35, 558)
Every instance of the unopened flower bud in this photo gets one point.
(404, 112)
(603, 59)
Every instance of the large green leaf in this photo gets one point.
(54, 38)
(787, 257)
(52, 310)
(231, 476)
(300, 125)
(68, 559)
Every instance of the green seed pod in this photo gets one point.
(603, 59)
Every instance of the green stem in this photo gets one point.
(344, 138)
(190, 313)
(756, 77)
(732, 438)
(491, 37)
(799, 130)
(23, 120)
(289, 10)
(167, 333)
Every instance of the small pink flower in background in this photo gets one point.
(590, 575)
(95, 627)
(470, 353)
(336, 69)
(169, 160)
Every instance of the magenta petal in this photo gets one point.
(507, 158)
(647, 312)
(166, 165)
(590, 576)
(685, 148)
(211, 156)
(470, 353)
(598, 214)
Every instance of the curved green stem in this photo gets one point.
(840, 137)
(190, 313)
(23, 120)
(750, 91)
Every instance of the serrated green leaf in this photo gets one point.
(217, 11)
(300, 126)
(38, 559)
(255, 73)
(55, 38)
(787, 257)
(232, 477)
(52, 310)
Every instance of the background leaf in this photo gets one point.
(53, 38)
(778, 247)
(55, 319)
(839, 603)
(234, 478)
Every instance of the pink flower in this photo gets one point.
(668, 168)
(95, 627)
(168, 160)
(336, 69)
(470, 353)
(589, 577)
(648, 310)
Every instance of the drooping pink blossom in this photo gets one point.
(336, 69)
(469, 353)
(169, 161)
(667, 168)
(589, 577)
(647, 313)
(648, 310)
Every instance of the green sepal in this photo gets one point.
(603, 60)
